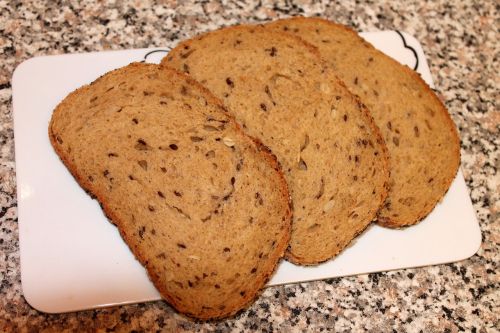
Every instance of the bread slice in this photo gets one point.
(280, 91)
(202, 206)
(424, 147)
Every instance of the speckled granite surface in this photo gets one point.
(461, 42)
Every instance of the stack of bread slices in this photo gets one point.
(251, 143)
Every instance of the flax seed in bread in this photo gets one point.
(202, 206)
(280, 91)
(423, 144)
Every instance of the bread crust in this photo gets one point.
(281, 244)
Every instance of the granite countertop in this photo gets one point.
(461, 43)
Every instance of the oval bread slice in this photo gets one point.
(332, 154)
(202, 206)
(423, 144)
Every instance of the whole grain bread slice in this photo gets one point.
(423, 144)
(280, 91)
(202, 206)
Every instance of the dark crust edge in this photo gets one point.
(272, 160)
(289, 256)
(246, 27)
(383, 220)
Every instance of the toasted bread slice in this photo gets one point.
(423, 144)
(203, 207)
(280, 91)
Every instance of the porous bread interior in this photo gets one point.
(423, 144)
(202, 206)
(280, 91)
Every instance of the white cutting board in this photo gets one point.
(72, 258)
